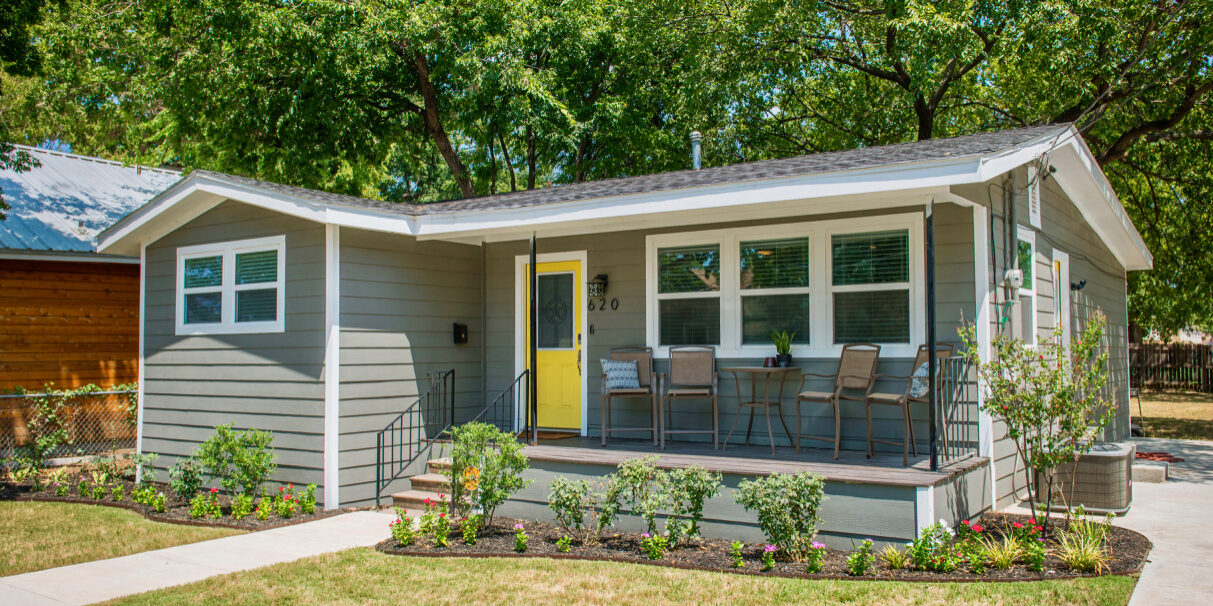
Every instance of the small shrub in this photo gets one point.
(307, 502)
(159, 503)
(486, 468)
(894, 558)
(82, 487)
(787, 507)
(242, 461)
(99, 491)
(286, 508)
(435, 522)
(402, 528)
(581, 509)
(242, 506)
(185, 478)
(815, 558)
(265, 507)
(860, 561)
(520, 538)
(768, 556)
(144, 468)
(61, 490)
(934, 549)
(654, 546)
(118, 492)
(471, 528)
(206, 505)
(735, 552)
(564, 544)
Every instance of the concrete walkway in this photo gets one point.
(1176, 517)
(107, 579)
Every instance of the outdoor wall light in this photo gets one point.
(597, 286)
(1079, 285)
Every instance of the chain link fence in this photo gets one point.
(93, 422)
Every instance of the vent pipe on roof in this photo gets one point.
(695, 137)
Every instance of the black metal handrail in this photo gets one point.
(502, 411)
(414, 431)
(956, 390)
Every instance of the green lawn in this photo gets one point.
(365, 576)
(1177, 414)
(45, 535)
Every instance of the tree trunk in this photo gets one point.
(530, 158)
(926, 118)
(433, 124)
(505, 154)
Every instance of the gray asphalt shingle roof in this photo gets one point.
(981, 144)
(60, 205)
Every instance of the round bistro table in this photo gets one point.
(766, 376)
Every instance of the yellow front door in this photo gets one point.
(559, 338)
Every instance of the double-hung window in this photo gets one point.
(1026, 258)
(774, 288)
(870, 287)
(826, 283)
(231, 287)
(688, 295)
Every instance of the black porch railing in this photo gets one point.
(956, 398)
(414, 431)
(502, 411)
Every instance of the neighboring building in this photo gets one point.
(68, 315)
(318, 316)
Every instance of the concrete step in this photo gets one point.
(438, 465)
(1153, 472)
(414, 499)
(431, 482)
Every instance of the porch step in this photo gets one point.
(439, 465)
(414, 500)
(431, 482)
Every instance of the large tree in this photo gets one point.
(18, 58)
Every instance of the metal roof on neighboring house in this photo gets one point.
(60, 205)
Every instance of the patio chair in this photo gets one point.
(648, 390)
(692, 376)
(903, 401)
(856, 371)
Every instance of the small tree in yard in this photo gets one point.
(242, 461)
(486, 468)
(1051, 399)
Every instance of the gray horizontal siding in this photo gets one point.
(399, 299)
(267, 381)
(621, 256)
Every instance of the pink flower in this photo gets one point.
(644, 534)
(817, 545)
(1032, 521)
(426, 501)
(441, 496)
(769, 548)
(1017, 525)
(517, 526)
(442, 515)
(214, 490)
(1038, 528)
(965, 522)
(977, 528)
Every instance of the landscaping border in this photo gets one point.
(385, 546)
(156, 517)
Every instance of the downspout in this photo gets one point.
(484, 322)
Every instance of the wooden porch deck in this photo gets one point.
(851, 467)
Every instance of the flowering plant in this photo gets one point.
(402, 528)
(520, 538)
(768, 556)
(861, 560)
(815, 557)
(564, 544)
(654, 545)
(471, 528)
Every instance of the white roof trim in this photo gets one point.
(1078, 173)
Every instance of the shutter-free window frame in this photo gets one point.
(821, 322)
(873, 286)
(1030, 328)
(228, 289)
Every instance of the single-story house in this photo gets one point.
(68, 315)
(354, 329)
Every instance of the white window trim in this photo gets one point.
(820, 288)
(1028, 235)
(228, 287)
(1061, 295)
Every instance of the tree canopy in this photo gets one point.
(435, 99)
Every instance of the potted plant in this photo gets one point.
(783, 347)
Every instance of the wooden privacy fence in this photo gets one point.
(1171, 366)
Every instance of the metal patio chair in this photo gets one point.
(649, 389)
(903, 401)
(856, 371)
(692, 376)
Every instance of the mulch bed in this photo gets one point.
(1129, 550)
(1162, 457)
(175, 512)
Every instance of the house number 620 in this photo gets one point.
(602, 305)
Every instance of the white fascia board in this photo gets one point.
(918, 176)
(196, 194)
